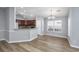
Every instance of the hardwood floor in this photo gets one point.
(41, 44)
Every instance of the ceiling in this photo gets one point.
(42, 11)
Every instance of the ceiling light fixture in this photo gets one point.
(51, 16)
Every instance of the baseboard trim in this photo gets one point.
(2, 39)
(74, 46)
(22, 40)
(71, 44)
(33, 38)
(18, 41)
(56, 36)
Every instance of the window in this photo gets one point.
(54, 25)
(50, 25)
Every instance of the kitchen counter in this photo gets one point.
(22, 35)
(26, 29)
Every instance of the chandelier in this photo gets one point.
(51, 16)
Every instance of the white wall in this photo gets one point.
(12, 18)
(74, 29)
(2, 23)
(64, 32)
(7, 24)
(9, 21)
(69, 23)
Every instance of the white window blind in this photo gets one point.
(54, 25)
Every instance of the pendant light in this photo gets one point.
(51, 16)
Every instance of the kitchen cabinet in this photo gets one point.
(19, 35)
(22, 35)
(33, 34)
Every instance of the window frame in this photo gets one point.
(61, 26)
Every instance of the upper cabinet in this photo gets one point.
(26, 24)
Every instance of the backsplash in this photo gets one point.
(26, 23)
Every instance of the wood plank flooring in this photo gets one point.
(41, 44)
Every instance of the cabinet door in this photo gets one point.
(33, 34)
(20, 35)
